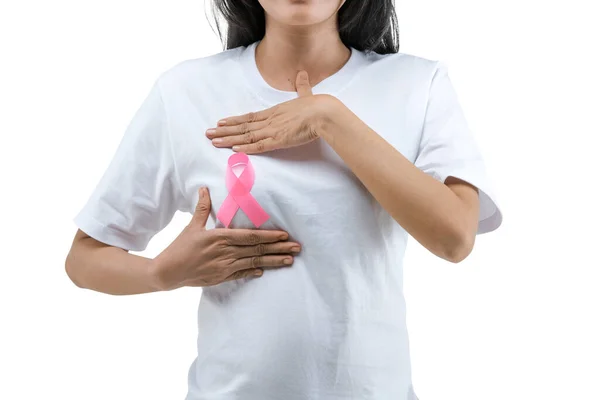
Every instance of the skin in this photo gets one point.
(443, 217)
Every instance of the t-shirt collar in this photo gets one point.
(330, 85)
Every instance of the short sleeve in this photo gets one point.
(448, 147)
(138, 193)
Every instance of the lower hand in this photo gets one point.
(201, 257)
(285, 125)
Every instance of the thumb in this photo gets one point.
(202, 210)
(303, 84)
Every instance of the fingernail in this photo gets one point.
(236, 148)
(202, 192)
(288, 261)
(211, 131)
(295, 249)
(217, 140)
(283, 237)
(222, 122)
(258, 273)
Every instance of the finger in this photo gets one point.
(249, 117)
(262, 249)
(261, 146)
(203, 206)
(234, 130)
(245, 139)
(250, 237)
(303, 84)
(261, 262)
(246, 273)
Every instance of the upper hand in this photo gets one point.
(288, 124)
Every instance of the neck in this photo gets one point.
(285, 50)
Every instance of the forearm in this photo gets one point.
(426, 208)
(95, 266)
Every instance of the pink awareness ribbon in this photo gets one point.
(239, 193)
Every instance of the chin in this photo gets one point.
(301, 12)
(302, 19)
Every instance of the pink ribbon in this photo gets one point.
(239, 193)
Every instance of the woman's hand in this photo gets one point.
(288, 124)
(201, 257)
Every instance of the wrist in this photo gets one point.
(155, 274)
(328, 111)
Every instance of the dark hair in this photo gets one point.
(366, 25)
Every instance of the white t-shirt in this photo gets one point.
(332, 326)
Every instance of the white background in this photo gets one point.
(519, 319)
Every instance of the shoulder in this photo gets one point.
(401, 66)
(201, 70)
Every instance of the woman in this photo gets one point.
(353, 146)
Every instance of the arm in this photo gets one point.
(197, 257)
(442, 217)
(97, 266)
(442, 200)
